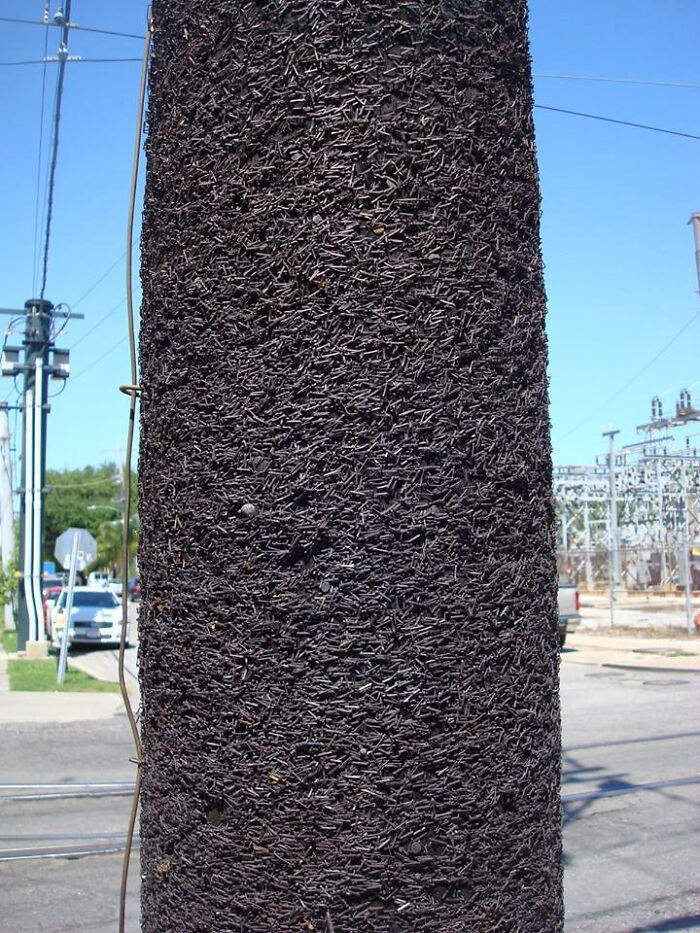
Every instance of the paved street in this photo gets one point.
(631, 860)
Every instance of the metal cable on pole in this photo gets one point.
(132, 391)
(41, 146)
(63, 54)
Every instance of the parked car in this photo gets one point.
(96, 617)
(133, 589)
(569, 606)
(50, 580)
(49, 601)
(99, 578)
(116, 587)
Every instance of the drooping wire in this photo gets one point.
(133, 391)
(35, 258)
(63, 52)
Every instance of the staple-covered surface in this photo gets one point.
(348, 628)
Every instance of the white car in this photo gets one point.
(99, 578)
(96, 618)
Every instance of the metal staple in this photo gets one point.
(348, 626)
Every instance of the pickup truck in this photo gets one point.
(568, 610)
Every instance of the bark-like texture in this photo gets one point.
(348, 628)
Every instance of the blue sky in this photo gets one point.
(619, 255)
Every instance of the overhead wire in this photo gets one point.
(99, 359)
(633, 378)
(70, 61)
(133, 392)
(98, 281)
(63, 51)
(641, 81)
(35, 258)
(85, 484)
(104, 32)
(594, 116)
(99, 324)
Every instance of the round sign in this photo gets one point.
(87, 548)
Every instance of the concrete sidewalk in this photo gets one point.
(17, 706)
(636, 650)
(644, 611)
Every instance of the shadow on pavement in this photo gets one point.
(679, 924)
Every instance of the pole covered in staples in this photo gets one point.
(349, 652)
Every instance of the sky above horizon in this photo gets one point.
(624, 311)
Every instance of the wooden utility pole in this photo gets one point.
(349, 651)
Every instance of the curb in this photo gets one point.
(657, 670)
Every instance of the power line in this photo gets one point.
(35, 258)
(63, 51)
(93, 482)
(99, 323)
(633, 378)
(99, 359)
(103, 32)
(639, 126)
(75, 60)
(617, 80)
(99, 280)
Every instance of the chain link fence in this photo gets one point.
(633, 568)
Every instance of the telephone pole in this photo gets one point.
(348, 634)
(7, 518)
(37, 361)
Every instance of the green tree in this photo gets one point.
(89, 498)
(110, 546)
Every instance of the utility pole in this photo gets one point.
(695, 221)
(348, 633)
(613, 545)
(7, 519)
(41, 361)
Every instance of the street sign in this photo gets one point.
(86, 553)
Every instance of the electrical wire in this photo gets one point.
(66, 320)
(99, 359)
(99, 324)
(90, 482)
(632, 379)
(35, 258)
(133, 392)
(69, 61)
(104, 32)
(61, 390)
(639, 126)
(98, 281)
(63, 50)
(617, 80)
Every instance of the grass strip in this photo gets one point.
(9, 641)
(39, 675)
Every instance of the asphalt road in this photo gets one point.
(631, 861)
